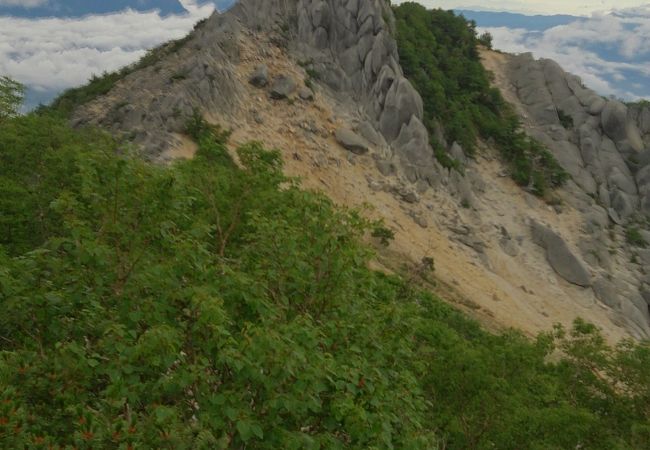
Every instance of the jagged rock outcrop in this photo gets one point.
(347, 43)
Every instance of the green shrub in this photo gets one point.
(385, 235)
(179, 76)
(486, 39)
(208, 304)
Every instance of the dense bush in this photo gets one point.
(210, 305)
(438, 51)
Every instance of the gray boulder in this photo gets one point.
(560, 257)
(283, 86)
(351, 141)
(597, 105)
(306, 94)
(260, 77)
(614, 120)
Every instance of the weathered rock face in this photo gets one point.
(350, 45)
(605, 145)
(606, 150)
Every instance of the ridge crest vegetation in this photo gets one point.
(439, 54)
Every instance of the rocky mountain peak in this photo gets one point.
(346, 44)
(321, 80)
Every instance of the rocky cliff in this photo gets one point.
(601, 145)
(321, 80)
(604, 146)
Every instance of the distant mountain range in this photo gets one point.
(513, 20)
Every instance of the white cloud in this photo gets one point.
(54, 54)
(605, 50)
(23, 3)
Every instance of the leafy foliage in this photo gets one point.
(209, 305)
(438, 51)
(12, 94)
(38, 161)
(486, 39)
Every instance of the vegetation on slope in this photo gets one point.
(12, 94)
(213, 305)
(439, 54)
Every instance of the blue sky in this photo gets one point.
(78, 8)
(51, 45)
(75, 8)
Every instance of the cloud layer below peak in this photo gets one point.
(610, 51)
(53, 54)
